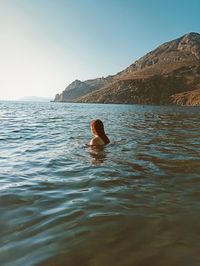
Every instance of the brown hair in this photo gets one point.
(98, 126)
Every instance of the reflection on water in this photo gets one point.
(132, 202)
(98, 154)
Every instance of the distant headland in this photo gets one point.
(34, 99)
(170, 74)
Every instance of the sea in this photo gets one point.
(134, 202)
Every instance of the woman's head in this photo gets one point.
(97, 129)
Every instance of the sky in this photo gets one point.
(47, 44)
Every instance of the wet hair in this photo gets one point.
(98, 126)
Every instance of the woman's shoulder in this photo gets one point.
(97, 141)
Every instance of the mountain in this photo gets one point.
(79, 88)
(166, 75)
(170, 56)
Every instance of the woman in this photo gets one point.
(97, 129)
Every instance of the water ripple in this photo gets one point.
(134, 202)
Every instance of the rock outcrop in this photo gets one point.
(79, 88)
(164, 76)
(187, 98)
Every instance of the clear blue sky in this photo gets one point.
(46, 44)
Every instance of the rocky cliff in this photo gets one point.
(79, 88)
(187, 98)
(162, 76)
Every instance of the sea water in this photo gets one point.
(134, 202)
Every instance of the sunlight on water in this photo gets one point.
(133, 202)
